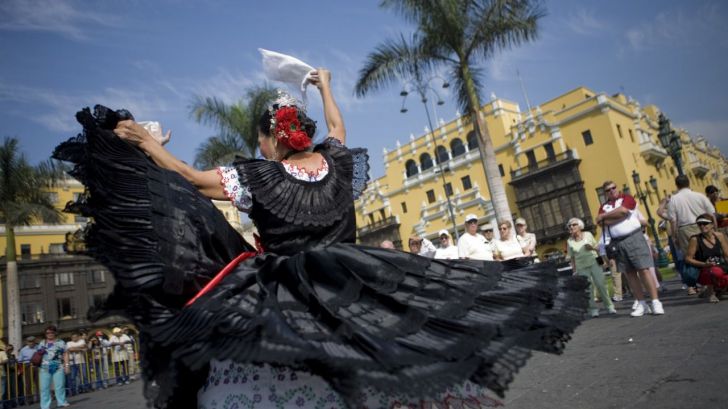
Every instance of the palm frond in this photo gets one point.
(24, 188)
(462, 95)
(503, 24)
(218, 151)
(393, 60)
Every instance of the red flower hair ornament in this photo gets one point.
(287, 129)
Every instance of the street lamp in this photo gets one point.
(422, 87)
(670, 140)
(642, 195)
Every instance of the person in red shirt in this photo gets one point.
(619, 219)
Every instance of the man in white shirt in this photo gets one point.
(684, 207)
(447, 250)
(471, 244)
(77, 357)
(120, 355)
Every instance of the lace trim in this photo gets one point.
(302, 173)
(238, 194)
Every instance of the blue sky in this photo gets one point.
(154, 57)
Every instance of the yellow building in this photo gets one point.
(553, 160)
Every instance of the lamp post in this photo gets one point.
(670, 140)
(422, 86)
(661, 257)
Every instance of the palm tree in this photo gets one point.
(455, 35)
(23, 198)
(236, 124)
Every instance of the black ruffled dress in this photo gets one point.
(358, 317)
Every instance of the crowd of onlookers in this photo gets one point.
(620, 246)
(48, 366)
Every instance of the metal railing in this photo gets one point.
(542, 164)
(94, 369)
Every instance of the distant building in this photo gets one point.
(553, 161)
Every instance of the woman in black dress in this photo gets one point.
(364, 326)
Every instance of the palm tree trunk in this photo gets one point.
(487, 153)
(13, 292)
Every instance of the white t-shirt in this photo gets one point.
(628, 225)
(77, 357)
(474, 247)
(447, 253)
(685, 206)
(509, 249)
(427, 249)
(119, 352)
(527, 243)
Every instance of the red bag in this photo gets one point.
(37, 357)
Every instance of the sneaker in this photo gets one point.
(64, 405)
(691, 291)
(639, 310)
(616, 299)
(635, 304)
(657, 307)
(594, 313)
(612, 310)
(684, 287)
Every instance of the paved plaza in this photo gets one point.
(671, 361)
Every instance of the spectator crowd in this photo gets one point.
(620, 247)
(49, 367)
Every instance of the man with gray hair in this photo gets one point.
(472, 244)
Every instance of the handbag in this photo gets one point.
(611, 247)
(37, 357)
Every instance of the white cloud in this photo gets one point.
(69, 19)
(56, 111)
(585, 22)
(681, 28)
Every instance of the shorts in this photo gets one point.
(633, 253)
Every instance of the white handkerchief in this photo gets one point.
(284, 68)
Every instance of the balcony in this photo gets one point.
(698, 167)
(378, 225)
(545, 165)
(652, 152)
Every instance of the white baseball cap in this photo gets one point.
(443, 231)
(486, 226)
(520, 220)
(470, 216)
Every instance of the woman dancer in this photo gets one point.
(311, 318)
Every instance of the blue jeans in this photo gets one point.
(77, 379)
(59, 382)
(98, 376)
(121, 369)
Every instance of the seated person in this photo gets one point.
(707, 251)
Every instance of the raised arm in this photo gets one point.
(207, 182)
(321, 78)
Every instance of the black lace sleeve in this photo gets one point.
(360, 167)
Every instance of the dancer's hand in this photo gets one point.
(135, 134)
(320, 78)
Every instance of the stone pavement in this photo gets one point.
(673, 361)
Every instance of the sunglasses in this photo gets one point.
(609, 189)
(488, 231)
(704, 224)
(471, 221)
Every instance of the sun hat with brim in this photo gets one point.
(470, 217)
(443, 232)
(703, 220)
